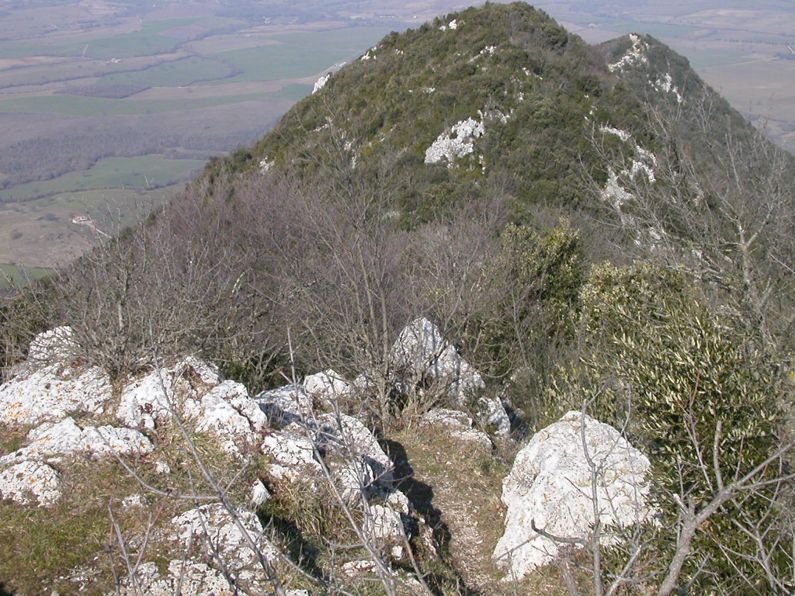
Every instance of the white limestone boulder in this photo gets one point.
(291, 456)
(285, 405)
(30, 481)
(225, 539)
(185, 577)
(384, 526)
(151, 400)
(228, 413)
(492, 415)
(549, 486)
(457, 425)
(420, 355)
(52, 383)
(352, 441)
(327, 388)
(50, 442)
(195, 391)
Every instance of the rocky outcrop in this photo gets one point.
(52, 384)
(422, 357)
(228, 413)
(456, 425)
(50, 442)
(185, 577)
(27, 472)
(152, 400)
(195, 391)
(492, 416)
(285, 405)
(549, 488)
(423, 360)
(311, 449)
(30, 481)
(291, 456)
(327, 388)
(225, 537)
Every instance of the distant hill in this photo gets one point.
(484, 215)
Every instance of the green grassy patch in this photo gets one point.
(12, 275)
(152, 39)
(300, 54)
(146, 171)
(71, 105)
(169, 74)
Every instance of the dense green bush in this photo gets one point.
(688, 386)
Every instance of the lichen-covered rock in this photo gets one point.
(327, 387)
(184, 577)
(492, 415)
(57, 345)
(353, 441)
(285, 405)
(213, 529)
(34, 395)
(151, 400)
(30, 480)
(195, 391)
(291, 455)
(231, 415)
(421, 355)
(51, 442)
(457, 425)
(550, 486)
(384, 525)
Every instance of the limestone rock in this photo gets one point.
(149, 401)
(35, 394)
(354, 441)
(421, 355)
(190, 577)
(327, 387)
(292, 455)
(492, 414)
(30, 480)
(213, 529)
(195, 391)
(457, 425)
(285, 405)
(228, 413)
(51, 442)
(385, 526)
(550, 485)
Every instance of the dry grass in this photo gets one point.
(461, 486)
(72, 545)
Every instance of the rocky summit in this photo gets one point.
(491, 311)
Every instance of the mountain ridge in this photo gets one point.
(485, 234)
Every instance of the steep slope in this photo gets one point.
(496, 97)
(475, 228)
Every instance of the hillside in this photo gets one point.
(491, 311)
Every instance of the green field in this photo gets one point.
(76, 105)
(150, 40)
(50, 73)
(146, 171)
(17, 275)
(176, 73)
(113, 208)
(299, 54)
